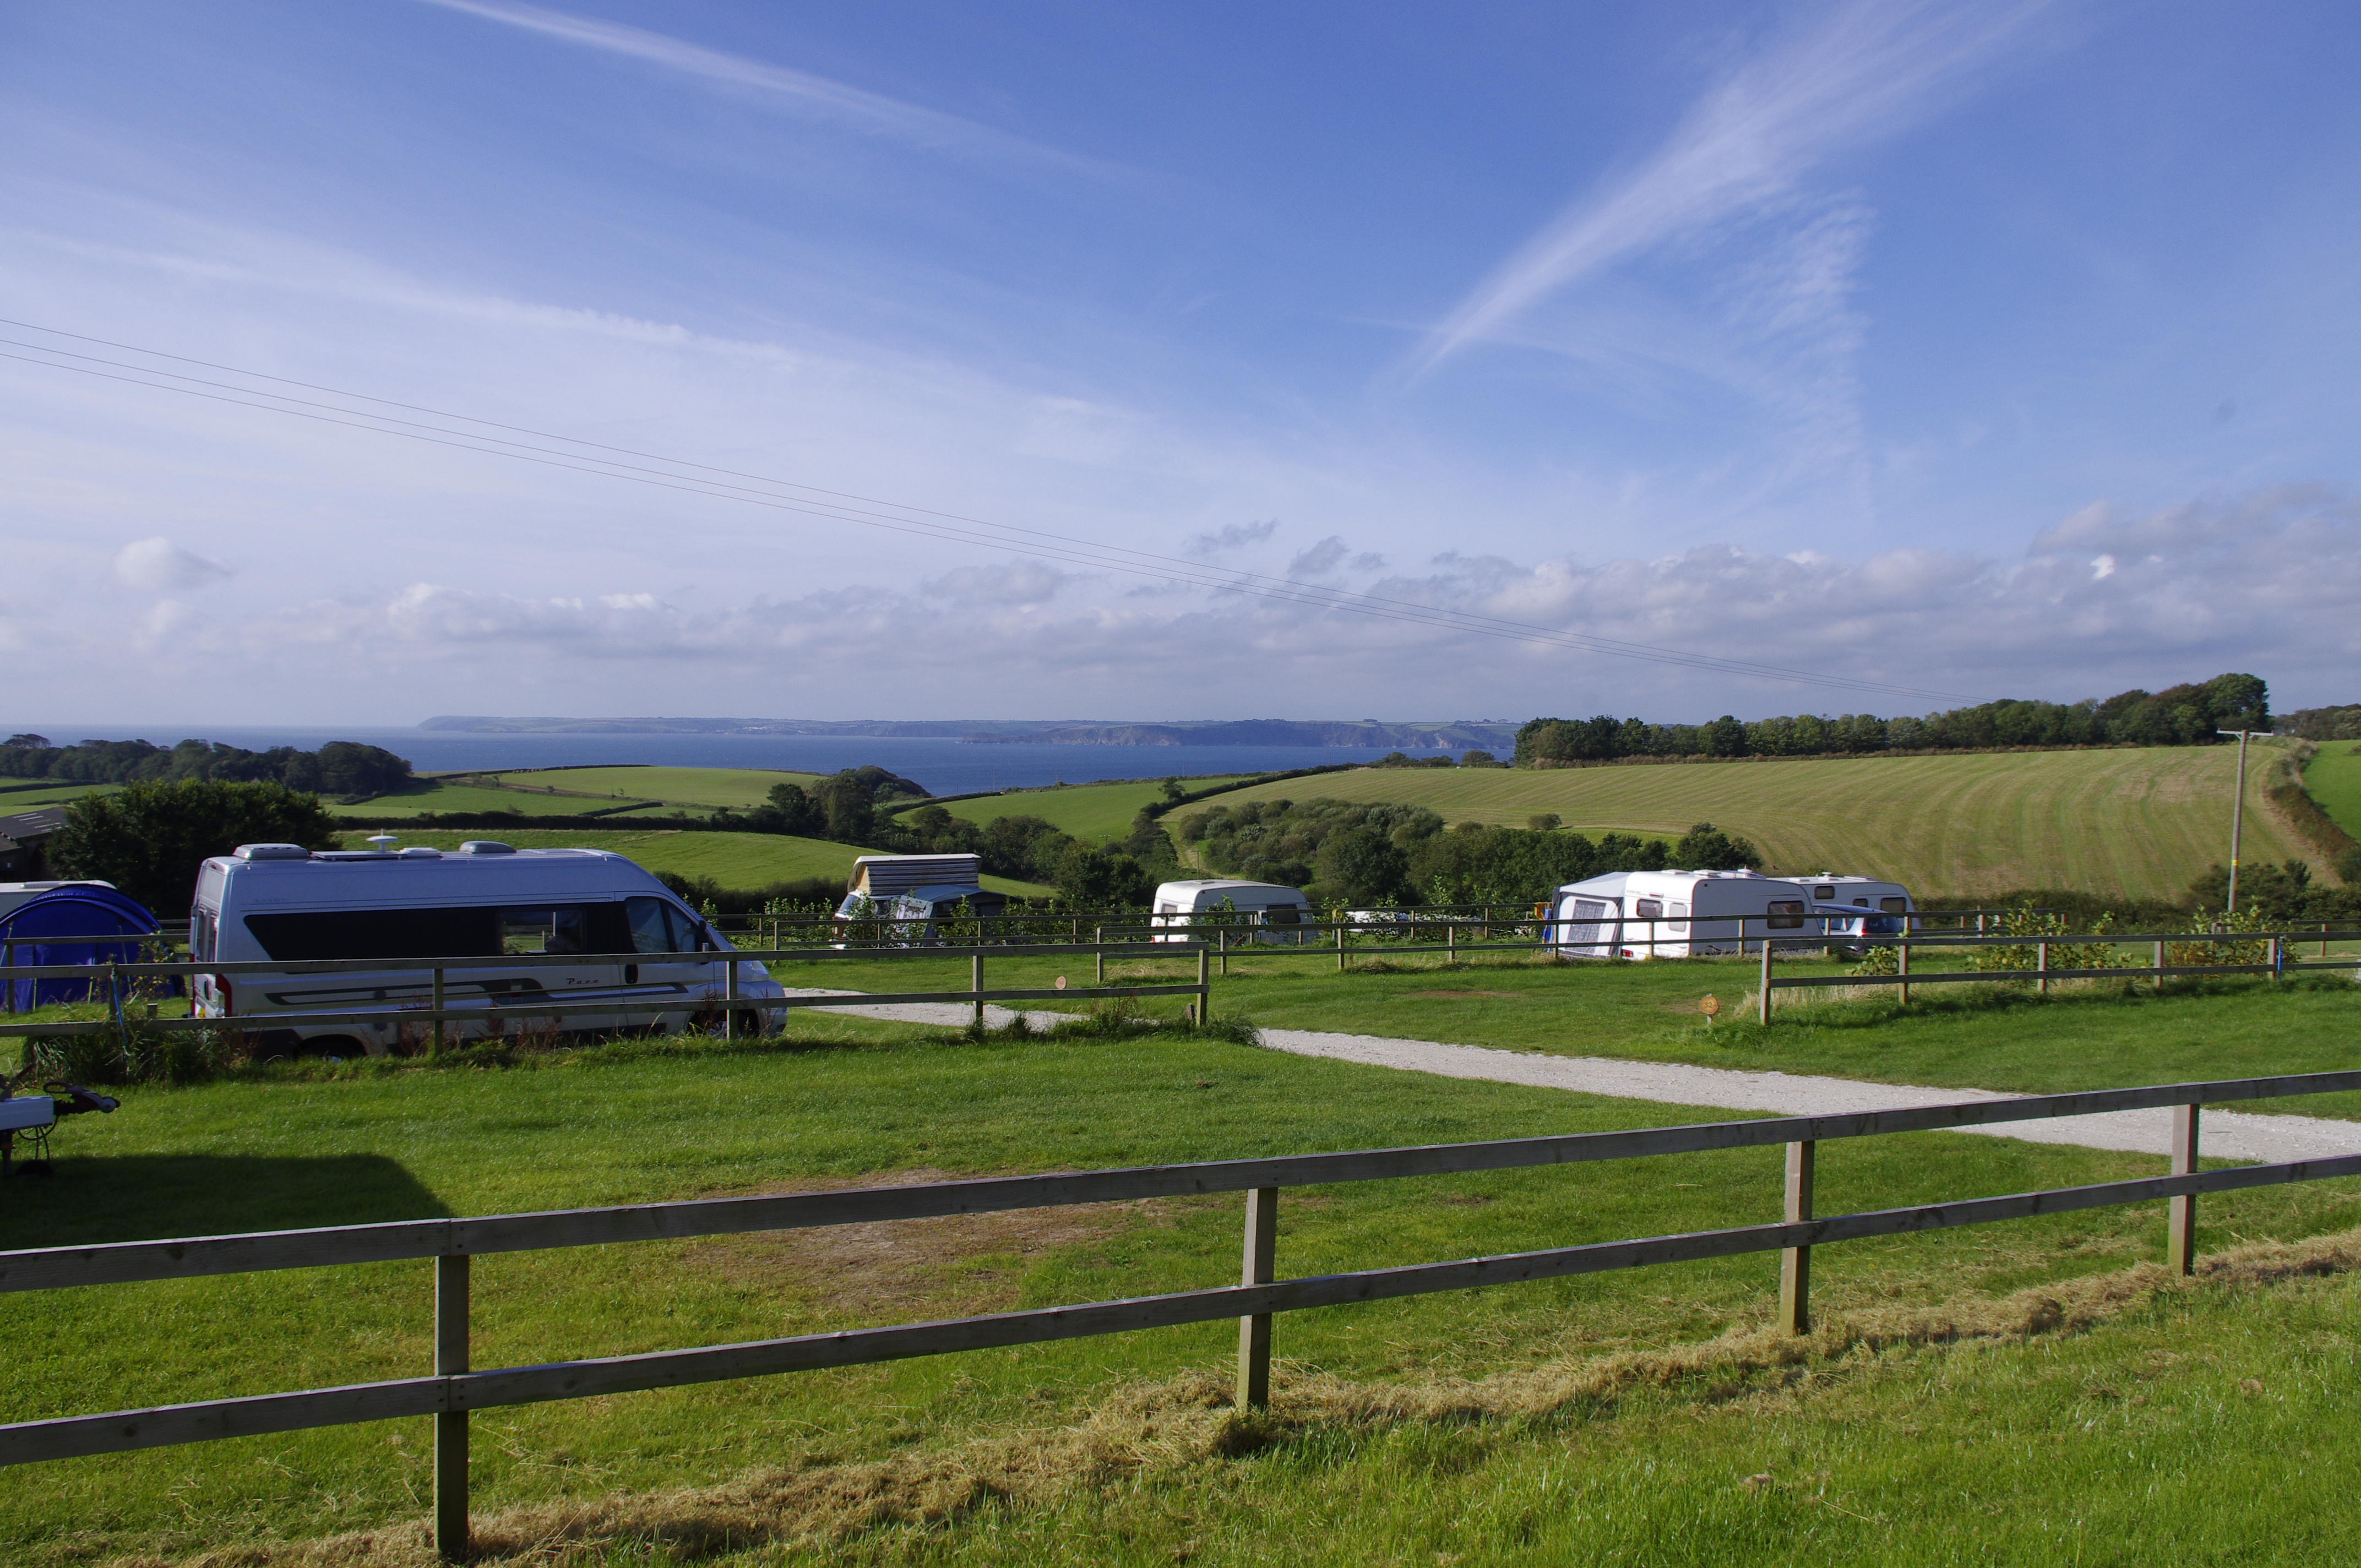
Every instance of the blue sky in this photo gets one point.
(1952, 352)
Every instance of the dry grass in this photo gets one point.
(1188, 1421)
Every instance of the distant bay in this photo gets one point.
(946, 767)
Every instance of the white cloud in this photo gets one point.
(1018, 583)
(867, 113)
(1870, 69)
(1233, 536)
(158, 566)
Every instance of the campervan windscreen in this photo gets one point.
(445, 933)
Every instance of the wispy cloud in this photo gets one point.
(870, 113)
(1870, 69)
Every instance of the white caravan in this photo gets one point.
(1675, 915)
(1859, 893)
(281, 902)
(1271, 909)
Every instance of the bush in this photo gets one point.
(150, 839)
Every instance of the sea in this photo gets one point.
(944, 767)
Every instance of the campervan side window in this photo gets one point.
(656, 927)
(446, 933)
(1649, 908)
(1787, 914)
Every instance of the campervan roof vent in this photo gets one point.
(421, 852)
(486, 847)
(273, 852)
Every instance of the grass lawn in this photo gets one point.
(2007, 1444)
(734, 859)
(738, 788)
(2333, 778)
(1647, 1012)
(25, 794)
(440, 794)
(2138, 822)
(1093, 813)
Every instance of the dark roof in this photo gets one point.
(26, 827)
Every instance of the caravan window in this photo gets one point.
(656, 927)
(1679, 924)
(1648, 908)
(1284, 914)
(561, 928)
(1787, 914)
(1894, 905)
(1824, 893)
(378, 933)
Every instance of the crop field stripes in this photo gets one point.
(455, 1389)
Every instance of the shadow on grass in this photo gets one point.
(92, 1198)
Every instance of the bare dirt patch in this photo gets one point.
(956, 1263)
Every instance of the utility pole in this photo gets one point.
(2237, 812)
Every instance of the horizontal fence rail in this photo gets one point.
(456, 1387)
(717, 993)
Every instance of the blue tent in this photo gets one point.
(69, 925)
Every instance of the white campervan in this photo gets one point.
(281, 902)
(1675, 915)
(1272, 911)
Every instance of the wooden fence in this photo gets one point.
(719, 994)
(2275, 944)
(455, 1389)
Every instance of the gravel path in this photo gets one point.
(2227, 1134)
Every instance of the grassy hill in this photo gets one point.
(1091, 813)
(738, 788)
(734, 859)
(26, 794)
(2140, 823)
(2333, 777)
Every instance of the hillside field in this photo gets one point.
(2333, 777)
(1091, 813)
(2141, 823)
(427, 794)
(734, 859)
(29, 794)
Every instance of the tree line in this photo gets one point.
(344, 767)
(1349, 853)
(2187, 715)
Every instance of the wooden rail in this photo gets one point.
(719, 994)
(456, 1388)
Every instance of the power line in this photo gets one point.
(841, 506)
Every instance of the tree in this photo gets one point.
(1173, 789)
(149, 838)
(1359, 864)
(1706, 848)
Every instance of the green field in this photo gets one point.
(738, 788)
(25, 794)
(1607, 1413)
(2132, 822)
(734, 859)
(2333, 778)
(429, 795)
(1094, 814)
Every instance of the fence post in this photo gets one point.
(1098, 939)
(2041, 967)
(1905, 966)
(2180, 1214)
(1204, 986)
(978, 973)
(1222, 942)
(2159, 968)
(8, 959)
(438, 1012)
(1795, 1261)
(1253, 1330)
(450, 1425)
(1766, 981)
(1451, 943)
(729, 999)
(1340, 946)
(2278, 958)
